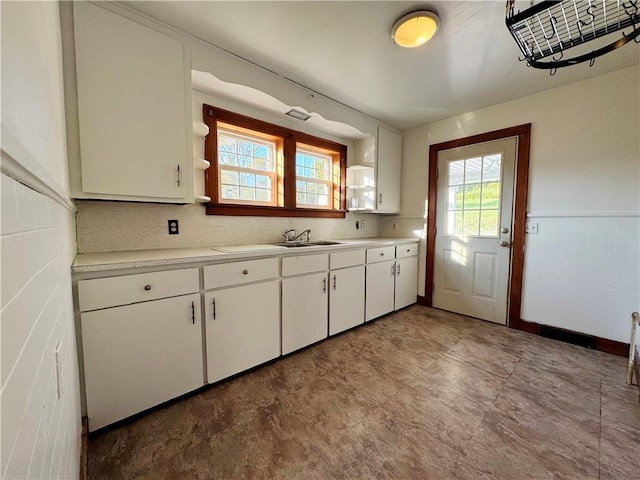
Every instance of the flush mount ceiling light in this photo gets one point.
(547, 29)
(300, 115)
(414, 29)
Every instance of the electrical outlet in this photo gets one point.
(532, 228)
(357, 225)
(362, 224)
(395, 226)
(173, 227)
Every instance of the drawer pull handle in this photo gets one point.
(147, 287)
(245, 271)
(335, 282)
(382, 254)
(408, 250)
(193, 313)
(214, 308)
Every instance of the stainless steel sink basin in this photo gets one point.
(307, 244)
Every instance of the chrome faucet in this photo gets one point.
(290, 236)
(307, 234)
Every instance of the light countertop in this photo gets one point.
(95, 262)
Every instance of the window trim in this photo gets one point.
(290, 138)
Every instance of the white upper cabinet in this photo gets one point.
(388, 168)
(133, 108)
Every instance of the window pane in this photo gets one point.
(454, 197)
(323, 200)
(472, 196)
(263, 195)
(229, 177)
(472, 170)
(491, 195)
(226, 143)
(262, 164)
(245, 148)
(312, 187)
(311, 199)
(489, 223)
(263, 181)
(454, 223)
(471, 222)
(230, 192)
(301, 186)
(491, 167)
(247, 193)
(261, 151)
(247, 179)
(300, 198)
(228, 159)
(456, 172)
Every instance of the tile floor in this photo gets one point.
(417, 394)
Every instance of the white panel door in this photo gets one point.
(243, 328)
(380, 289)
(305, 310)
(346, 299)
(473, 221)
(138, 356)
(406, 282)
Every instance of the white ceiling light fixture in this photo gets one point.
(415, 28)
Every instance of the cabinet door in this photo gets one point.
(380, 288)
(406, 282)
(388, 164)
(132, 106)
(243, 328)
(138, 356)
(346, 299)
(305, 311)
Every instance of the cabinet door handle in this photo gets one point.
(382, 254)
(147, 287)
(245, 272)
(214, 308)
(335, 282)
(380, 198)
(324, 285)
(398, 270)
(178, 169)
(193, 313)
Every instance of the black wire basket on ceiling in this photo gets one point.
(546, 30)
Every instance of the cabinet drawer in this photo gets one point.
(236, 273)
(304, 264)
(380, 254)
(346, 259)
(410, 250)
(126, 289)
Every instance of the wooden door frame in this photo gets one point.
(520, 192)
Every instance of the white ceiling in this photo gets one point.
(343, 50)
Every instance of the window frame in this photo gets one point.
(286, 193)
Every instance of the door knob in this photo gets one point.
(504, 243)
(504, 230)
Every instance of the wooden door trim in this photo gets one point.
(521, 187)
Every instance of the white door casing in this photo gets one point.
(473, 229)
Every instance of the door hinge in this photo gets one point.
(437, 172)
(433, 287)
(435, 230)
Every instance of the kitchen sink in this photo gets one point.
(316, 243)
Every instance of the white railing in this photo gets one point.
(635, 319)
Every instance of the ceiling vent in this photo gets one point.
(298, 114)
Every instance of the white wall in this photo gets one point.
(582, 270)
(40, 433)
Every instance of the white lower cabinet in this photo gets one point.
(242, 328)
(392, 284)
(380, 289)
(406, 282)
(304, 311)
(346, 299)
(140, 355)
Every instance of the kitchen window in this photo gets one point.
(262, 169)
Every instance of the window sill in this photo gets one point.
(261, 211)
